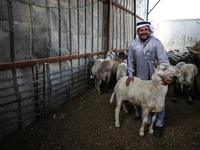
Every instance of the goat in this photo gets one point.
(96, 66)
(174, 58)
(198, 85)
(149, 94)
(108, 68)
(121, 71)
(178, 65)
(187, 79)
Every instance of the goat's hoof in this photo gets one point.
(141, 134)
(151, 131)
(174, 100)
(117, 125)
(191, 102)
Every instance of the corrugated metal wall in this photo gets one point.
(36, 30)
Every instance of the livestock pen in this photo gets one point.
(48, 47)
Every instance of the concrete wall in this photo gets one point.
(177, 34)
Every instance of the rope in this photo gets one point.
(57, 7)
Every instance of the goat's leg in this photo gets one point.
(175, 84)
(107, 81)
(117, 110)
(176, 92)
(101, 87)
(190, 95)
(97, 84)
(144, 122)
(153, 118)
(124, 107)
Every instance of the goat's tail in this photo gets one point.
(112, 97)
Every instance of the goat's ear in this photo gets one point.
(154, 67)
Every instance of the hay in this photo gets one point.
(196, 47)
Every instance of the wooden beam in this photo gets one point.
(21, 64)
(121, 7)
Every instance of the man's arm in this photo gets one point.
(161, 53)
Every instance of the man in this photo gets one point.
(147, 51)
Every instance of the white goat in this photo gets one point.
(121, 71)
(149, 94)
(96, 66)
(187, 79)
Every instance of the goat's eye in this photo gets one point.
(164, 69)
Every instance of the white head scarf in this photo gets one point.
(145, 23)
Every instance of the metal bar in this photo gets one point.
(62, 93)
(133, 13)
(44, 87)
(67, 70)
(20, 77)
(19, 85)
(153, 7)
(19, 100)
(20, 120)
(20, 107)
(147, 9)
(37, 87)
(18, 115)
(20, 92)
(67, 75)
(65, 85)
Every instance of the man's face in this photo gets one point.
(144, 33)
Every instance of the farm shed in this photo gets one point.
(47, 48)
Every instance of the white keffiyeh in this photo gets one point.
(145, 23)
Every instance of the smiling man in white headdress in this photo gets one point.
(146, 52)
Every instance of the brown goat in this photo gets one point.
(109, 68)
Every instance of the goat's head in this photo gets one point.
(123, 55)
(110, 54)
(193, 58)
(167, 71)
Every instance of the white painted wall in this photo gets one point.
(177, 34)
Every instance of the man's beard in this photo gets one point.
(143, 40)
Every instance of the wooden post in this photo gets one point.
(109, 25)
(134, 19)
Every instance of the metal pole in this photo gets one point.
(153, 7)
(147, 9)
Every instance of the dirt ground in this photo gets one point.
(87, 122)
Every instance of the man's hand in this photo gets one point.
(166, 81)
(129, 79)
